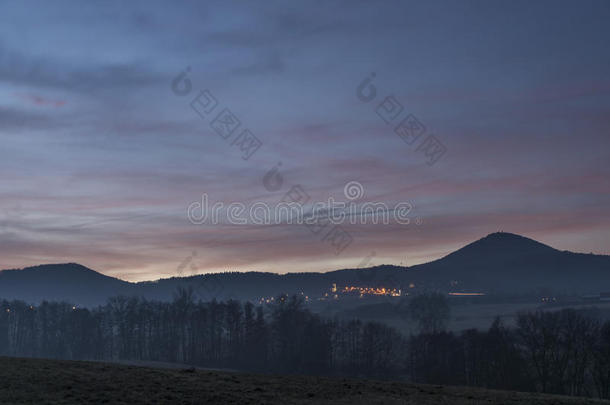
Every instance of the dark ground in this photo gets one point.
(35, 381)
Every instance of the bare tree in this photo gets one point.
(431, 311)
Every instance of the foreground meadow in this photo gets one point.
(36, 381)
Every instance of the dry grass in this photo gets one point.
(34, 381)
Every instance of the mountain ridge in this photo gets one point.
(500, 262)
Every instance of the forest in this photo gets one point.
(563, 352)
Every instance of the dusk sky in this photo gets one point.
(100, 158)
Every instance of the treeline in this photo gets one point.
(563, 352)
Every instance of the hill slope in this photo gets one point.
(499, 262)
(61, 282)
(34, 381)
(505, 262)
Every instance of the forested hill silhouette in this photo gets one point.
(499, 262)
(505, 262)
(61, 282)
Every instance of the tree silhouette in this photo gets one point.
(431, 311)
(564, 351)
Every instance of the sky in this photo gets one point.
(103, 152)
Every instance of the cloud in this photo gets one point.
(269, 64)
(17, 119)
(104, 159)
(34, 71)
(41, 101)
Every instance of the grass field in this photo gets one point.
(34, 381)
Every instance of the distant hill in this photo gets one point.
(498, 263)
(505, 262)
(61, 282)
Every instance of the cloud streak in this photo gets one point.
(100, 159)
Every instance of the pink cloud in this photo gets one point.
(41, 101)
